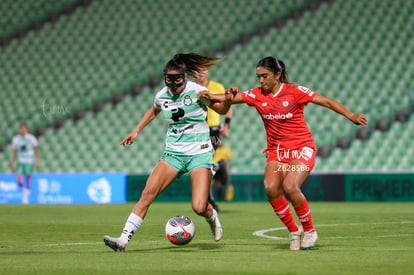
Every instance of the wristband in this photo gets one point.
(227, 121)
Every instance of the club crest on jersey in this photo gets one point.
(285, 103)
(264, 104)
(187, 100)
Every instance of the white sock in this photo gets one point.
(25, 196)
(131, 226)
(213, 216)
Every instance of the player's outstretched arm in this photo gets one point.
(358, 119)
(206, 96)
(220, 103)
(148, 117)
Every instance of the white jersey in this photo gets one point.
(25, 146)
(188, 131)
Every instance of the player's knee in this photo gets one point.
(272, 186)
(290, 187)
(199, 208)
(148, 195)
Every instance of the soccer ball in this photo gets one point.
(180, 230)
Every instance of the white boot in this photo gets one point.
(115, 243)
(295, 239)
(309, 240)
(215, 226)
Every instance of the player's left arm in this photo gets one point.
(358, 119)
(37, 163)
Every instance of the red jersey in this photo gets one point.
(282, 115)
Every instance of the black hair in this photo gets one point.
(274, 65)
(190, 63)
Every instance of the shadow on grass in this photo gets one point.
(286, 246)
(181, 249)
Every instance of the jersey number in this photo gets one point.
(178, 113)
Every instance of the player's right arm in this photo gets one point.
(237, 99)
(148, 117)
(220, 98)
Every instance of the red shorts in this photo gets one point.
(305, 154)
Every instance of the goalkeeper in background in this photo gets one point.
(214, 123)
(26, 151)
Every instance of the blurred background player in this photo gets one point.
(214, 122)
(26, 151)
(290, 145)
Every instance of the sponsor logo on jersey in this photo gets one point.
(306, 90)
(180, 131)
(285, 103)
(187, 100)
(171, 104)
(306, 153)
(250, 93)
(277, 116)
(203, 146)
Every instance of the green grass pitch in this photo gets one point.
(354, 238)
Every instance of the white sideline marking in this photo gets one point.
(262, 233)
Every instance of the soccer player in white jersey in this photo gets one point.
(26, 151)
(188, 148)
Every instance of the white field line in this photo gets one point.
(262, 233)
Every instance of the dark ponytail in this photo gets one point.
(274, 65)
(190, 63)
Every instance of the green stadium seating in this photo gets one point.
(101, 50)
(357, 52)
(20, 14)
(384, 151)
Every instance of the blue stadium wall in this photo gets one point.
(102, 188)
(317, 187)
(66, 188)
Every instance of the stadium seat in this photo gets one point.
(339, 50)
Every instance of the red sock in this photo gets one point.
(281, 208)
(304, 215)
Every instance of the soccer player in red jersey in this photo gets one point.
(290, 145)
